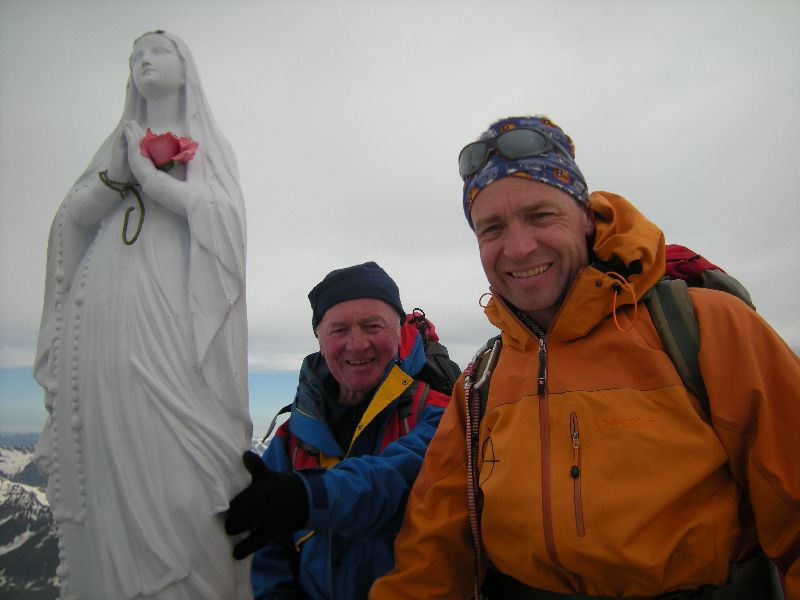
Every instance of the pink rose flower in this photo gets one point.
(165, 149)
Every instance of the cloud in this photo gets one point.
(347, 117)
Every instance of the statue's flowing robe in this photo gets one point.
(142, 354)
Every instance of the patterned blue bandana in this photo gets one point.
(552, 168)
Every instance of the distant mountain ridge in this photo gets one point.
(28, 538)
(18, 439)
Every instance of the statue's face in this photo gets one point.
(156, 67)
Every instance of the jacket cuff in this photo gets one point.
(318, 501)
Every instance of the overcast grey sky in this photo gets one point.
(347, 117)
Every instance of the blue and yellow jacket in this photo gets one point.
(357, 495)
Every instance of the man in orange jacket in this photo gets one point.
(598, 473)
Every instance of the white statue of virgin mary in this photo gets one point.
(142, 352)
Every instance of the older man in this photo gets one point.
(597, 473)
(328, 498)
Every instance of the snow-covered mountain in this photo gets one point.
(16, 464)
(28, 542)
(28, 537)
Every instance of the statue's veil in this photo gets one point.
(218, 238)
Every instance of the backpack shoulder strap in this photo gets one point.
(476, 394)
(717, 279)
(283, 411)
(413, 398)
(409, 406)
(671, 310)
(483, 374)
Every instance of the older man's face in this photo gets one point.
(358, 339)
(532, 241)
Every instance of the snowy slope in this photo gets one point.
(14, 460)
(28, 542)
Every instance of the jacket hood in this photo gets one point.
(627, 259)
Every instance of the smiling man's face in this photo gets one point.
(532, 241)
(358, 339)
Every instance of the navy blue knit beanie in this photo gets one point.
(367, 280)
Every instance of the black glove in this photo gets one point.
(273, 504)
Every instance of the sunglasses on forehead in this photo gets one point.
(512, 144)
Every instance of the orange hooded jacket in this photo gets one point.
(663, 500)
